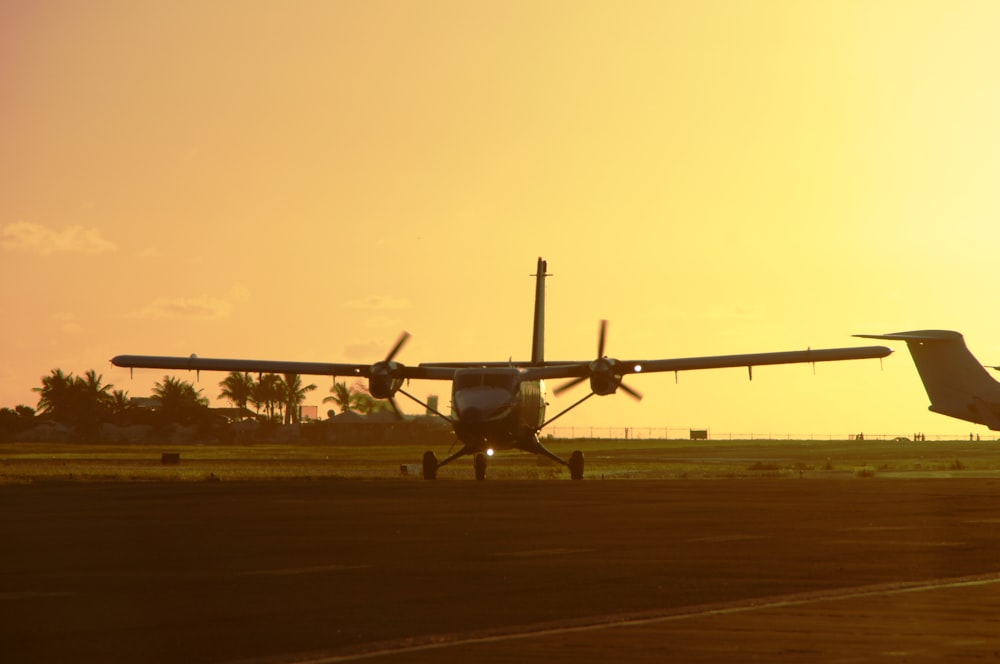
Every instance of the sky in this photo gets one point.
(305, 180)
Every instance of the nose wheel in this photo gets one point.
(431, 465)
(480, 465)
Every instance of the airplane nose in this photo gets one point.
(473, 414)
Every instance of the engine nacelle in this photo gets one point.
(603, 378)
(382, 380)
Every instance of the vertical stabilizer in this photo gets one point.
(538, 330)
(956, 383)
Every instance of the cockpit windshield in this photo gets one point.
(505, 379)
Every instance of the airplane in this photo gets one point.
(956, 383)
(501, 405)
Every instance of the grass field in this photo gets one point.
(606, 459)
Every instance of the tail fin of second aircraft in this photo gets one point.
(957, 384)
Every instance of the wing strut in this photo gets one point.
(427, 406)
(564, 411)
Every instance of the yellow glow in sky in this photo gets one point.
(303, 181)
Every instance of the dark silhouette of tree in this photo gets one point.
(55, 396)
(365, 403)
(81, 402)
(237, 388)
(295, 396)
(342, 397)
(120, 403)
(92, 403)
(269, 393)
(355, 399)
(179, 401)
(14, 421)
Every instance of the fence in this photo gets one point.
(671, 433)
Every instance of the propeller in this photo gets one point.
(603, 372)
(384, 378)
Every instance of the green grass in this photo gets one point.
(607, 459)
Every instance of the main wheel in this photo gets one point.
(480, 464)
(430, 466)
(576, 465)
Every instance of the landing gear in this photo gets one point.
(480, 464)
(576, 465)
(430, 466)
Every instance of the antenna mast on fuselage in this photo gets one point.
(538, 332)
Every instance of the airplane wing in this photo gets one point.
(446, 370)
(626, 367)
(195, 363)
(761, 359)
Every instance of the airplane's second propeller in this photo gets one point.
(604, 373)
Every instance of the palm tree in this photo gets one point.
(295, 395)
(269, 393)
(55, 396)
(92, 401)
(365, 403)
(82, 401)
(237, 388)
(91, 386)
(342, 396)
(179, 401)
(120, 402)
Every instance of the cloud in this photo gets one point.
(35, 239)
(378, 303)
(201, 308)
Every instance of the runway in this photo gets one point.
(410, 571)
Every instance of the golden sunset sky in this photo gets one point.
(305, 180)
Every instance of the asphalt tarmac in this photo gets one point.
(412, 571)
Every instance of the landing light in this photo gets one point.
(638, 368)
(489, 452)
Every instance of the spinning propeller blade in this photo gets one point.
(602, 366)
(395, 408)
(632, 392)
(569, 384)
(403, 338)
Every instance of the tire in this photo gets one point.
(480, 464)
(430, 466)
(576, 465)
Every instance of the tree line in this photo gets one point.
(84, 403)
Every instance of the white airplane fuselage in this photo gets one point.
(495, 409)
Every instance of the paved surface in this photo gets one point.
(403, 571)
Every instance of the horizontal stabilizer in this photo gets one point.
(916, 335)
